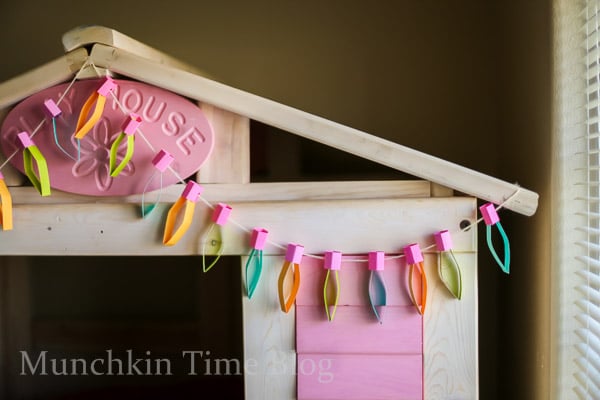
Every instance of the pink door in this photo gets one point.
(354, 356)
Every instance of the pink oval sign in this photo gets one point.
(169, 122)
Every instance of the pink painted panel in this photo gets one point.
(169, 122)
(353, 282)
(356, 330)
(355, 376)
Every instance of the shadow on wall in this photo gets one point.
(429, 75)
(180, 323)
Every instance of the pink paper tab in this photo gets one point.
(258, 238)
(413, 254)
(333, 260)
(376, 260)
(443, 240)
(162, 160)
(489, 214)
(192, 191)
(107, 87)
(221, 214)
(51, 108)
(131, 124)
(23, 140)
(1, 175)
(294, 253)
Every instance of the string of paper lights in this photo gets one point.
(294, 252)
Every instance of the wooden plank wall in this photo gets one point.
(448, 362)
(450, 327)
(350, 225)
(450, 335)
(230, 162)
(345, 218)
(269, 339)
(354, 356)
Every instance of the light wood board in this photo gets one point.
(49, 74)
(451, 334)
(449, 360)
(276, 191)
(450, 331)
(87, 35)
(351, 226)
(318, 129)
(269, 339)
(230, 159)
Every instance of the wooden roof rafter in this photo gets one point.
(153, 67)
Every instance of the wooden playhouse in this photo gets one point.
(304, 353)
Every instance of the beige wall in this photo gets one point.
(462, 80)
(421, 73)
(525, 298)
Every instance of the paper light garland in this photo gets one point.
(187, 201)
(417, 280)
(491, 218)
(448, 268)
(332, 262)
(31, 155)
(54, 112)
(129, 127)
(293, 257)
(161, 162)
(98, 100)
(376, 286)
(254, 265)
(6, 217)
(219, 218)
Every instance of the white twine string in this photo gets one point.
(231, 220)
(37, 128)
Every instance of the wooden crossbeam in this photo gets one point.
(352, 226)
(235, 192)
(317, 128)
(49, 74)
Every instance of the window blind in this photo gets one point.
(587, 356)
(584, 296)
(576, 200)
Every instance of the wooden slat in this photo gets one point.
(318, 129)
(86, 35)
(356, 331)
(438, 190)
(268, 339)
(359, 377)
(230, 159)
(450, 339)
(50, 74)
(281, 191)
(451, 334)
(351, 226)
(450, 331)
(355, 343)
